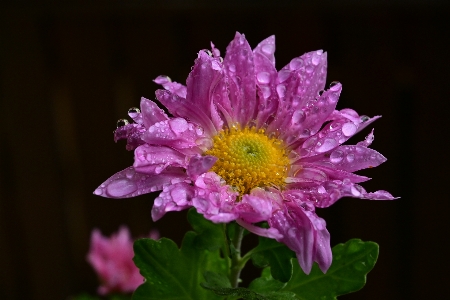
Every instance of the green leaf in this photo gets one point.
(173, 273)
(277, 255)
(351, 263)
(210, 236)
(219, 284)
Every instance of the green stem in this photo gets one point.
(236, 261)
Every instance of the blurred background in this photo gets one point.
(70, 69)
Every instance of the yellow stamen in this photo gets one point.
(248, 158)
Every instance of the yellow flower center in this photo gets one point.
(248, 158)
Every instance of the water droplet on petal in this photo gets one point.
(122, 122)
(350, 157)
(296, 64)
(134, 112)
(349, 129)
(335, 126)
(283, 75)
(309, 70)
(316, 57)
(281, 90)
(337, 156)
(364, 118)
(121, 187)
(232, 68)
(263, 77)
(129, 173)
(355, 191)
(298, 117)
(98, 191)
(328, 144)
(266, 91)
(268, 49)
(178, 125)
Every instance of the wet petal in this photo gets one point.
(254, 209)
(176, 133)
(174, 197)
(240, 70)
(173, 87)
(129, 183)
(271, 233)
(180, 107)
(200, 164)
(354, 158)
(155, 159)
(151, 113)
(267, 49)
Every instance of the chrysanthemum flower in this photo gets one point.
(250, 144)
(112, 260)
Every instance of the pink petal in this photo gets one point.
(174, 197)
(267, 49)
(128, 183)
(155, 159)
(354, 158)
(176, 133)
(298, 233)
(151, 113)
(254, 209)
(173, 87)
(199, 165)
(271, 233)
(180, 107)
(206, 73)
(297, 87)
(240, 70)
(266, 76)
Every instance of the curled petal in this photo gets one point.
(173, 87)
(271, 233)
(174, 197)
(213, 199)
(155, 159)
(254, 209)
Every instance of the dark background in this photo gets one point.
(69, 70)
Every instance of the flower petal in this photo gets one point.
(151, 113)
(200, 164)
(176, 133)
(155, 159)
(298, 233)
(266, 76)
(129, 183)
(180, 107)
(354, 158)
(254, 209)
(174, 197)
(173, 87)
(240, 70)
(271, 233)
(214, 200)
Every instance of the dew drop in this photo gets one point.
(355, 191)
(337, 156)
(309, 70)
(349, 129)
(364, 118)
(296, 64)
(327, 144)
(268, 49)
(129, 173)
(298, 117)
(316, 57)
(232, 68)
(122, 122)
(134, 112)
(266, 92)
(121, 187)
(334, 126)
(350, 157)
(263, 77)
(98, 191)
(281, 90)
(283, 75)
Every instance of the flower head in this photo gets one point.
(112, 259)
(250, 144)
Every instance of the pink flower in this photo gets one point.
(112, 259)
(250, 144)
